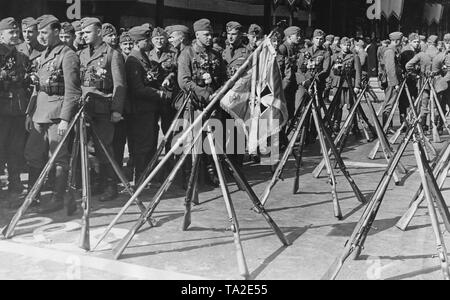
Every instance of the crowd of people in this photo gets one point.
(130, 79)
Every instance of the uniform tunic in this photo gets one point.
(59, 92)
(104, 83)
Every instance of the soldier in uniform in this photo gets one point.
(391, 67)
(289, 50)
(14, 96)
(67, 35)
(162, 58)
(319, 61)
(109, 34)
(420, 65)
(201, 70)
(423, 44)
(346, 69)
(432, 49)
(126, 44)
(336, 44)
(56, 102)
(30, 47)
(255, 36)
(178, 38)
(104, 85)
(328, 41)
(440, 68)
(122, 132)
(79, 42)
(234, 57)
(145, 100)
(408, 53)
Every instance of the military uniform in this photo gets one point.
(321, 59)
(346, 68)
(393, 73)
(14, 97)
(440, 67)
(234, 56)
(288, 68)
(202, 71)
(421, 64)
(406, 55)
(104, 83)
(57, 99)
(145, 101)
(164, 64)
(312, 61)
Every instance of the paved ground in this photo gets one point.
(45, 247)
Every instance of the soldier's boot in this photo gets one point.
(15, 188)
(110, 193)
(59, 191)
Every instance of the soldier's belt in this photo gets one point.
(56, 89)
(99, 85)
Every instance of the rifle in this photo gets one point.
(8, 231)
(339, 140)
(332, 177)
(146, 215)
(166, 137)
(356, 241)
(277, 174)
(86, 192)
(341, 164)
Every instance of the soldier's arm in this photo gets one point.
(362, 57)
(410, 65)
(72, 85)
(389, 60)
(185, 80)
(358, 70)
(447, 65)
(119, 82)
(135, 79)
(326, 67)
(436, 64)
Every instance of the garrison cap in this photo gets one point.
(202, 25)
(422, 37)
(413, 36)
(159, 32)
(319, 32)
(76, 25)
(345, 40)
(86, 22)
(255, 29)
(173, 28)
(45, 20)
(447, 37)
(125, 37)
(8, 23)
(108, 29)
(233, 25)
(395, 36)
(292, 30)
(139, 33)
(432, 39)
(329, 38)
(67, 28)
(147, 26)
(28, 22)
